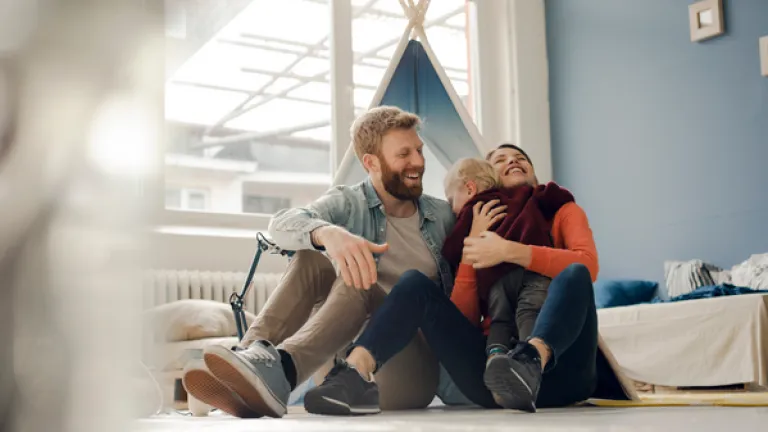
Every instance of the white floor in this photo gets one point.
(700, 419)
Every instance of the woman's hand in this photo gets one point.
(485, 216)
(488, 250)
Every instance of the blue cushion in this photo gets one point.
(613, 293)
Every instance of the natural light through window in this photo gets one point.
(256, 91)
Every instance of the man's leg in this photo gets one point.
(306, 283)
(414, 302)
(258, 374)
(409, 379)
(331, 329)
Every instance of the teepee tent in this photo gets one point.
(415, 82)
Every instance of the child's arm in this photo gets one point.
(464, 294)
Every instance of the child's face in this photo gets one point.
(460, 194)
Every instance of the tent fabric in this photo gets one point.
(416, 82)
(416, 87)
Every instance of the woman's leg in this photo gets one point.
(414, 303)
(567, 325)
(563, 345)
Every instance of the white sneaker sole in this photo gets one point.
(225, 365)
(324, 405)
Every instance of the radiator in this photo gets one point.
(165, 286)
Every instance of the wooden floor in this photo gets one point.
(691, 418)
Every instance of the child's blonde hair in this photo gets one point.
(477, 170)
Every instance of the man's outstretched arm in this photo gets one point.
(320, 226)
(291, 228)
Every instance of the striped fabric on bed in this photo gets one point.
(683, 277)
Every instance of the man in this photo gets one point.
(373, 232)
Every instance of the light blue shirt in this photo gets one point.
(358, 209)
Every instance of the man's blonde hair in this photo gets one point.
(369, 129)
(477, 170)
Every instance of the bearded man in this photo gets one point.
(371, 233)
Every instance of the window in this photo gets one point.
(248, 110)
(248, 99)
(265, 204)
(186, 199)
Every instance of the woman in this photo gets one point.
(555, 367)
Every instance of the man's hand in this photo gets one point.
(353, 254)
(488, 250)
(485, 216)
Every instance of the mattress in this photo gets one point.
(697, 343)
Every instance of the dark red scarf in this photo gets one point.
(530, 211)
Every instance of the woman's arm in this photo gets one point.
(574, 244)
(464, 294)
(573, 238)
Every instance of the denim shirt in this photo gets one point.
(359, 210)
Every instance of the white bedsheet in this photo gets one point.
(706, 342)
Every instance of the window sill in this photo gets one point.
(196, 223)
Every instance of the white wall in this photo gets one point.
(212, 252)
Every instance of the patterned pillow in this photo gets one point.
(682, 277)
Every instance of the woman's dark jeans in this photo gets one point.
(567, 324)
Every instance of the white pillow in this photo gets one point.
(752, 273)
(192, 319)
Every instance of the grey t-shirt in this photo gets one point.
(407, 250)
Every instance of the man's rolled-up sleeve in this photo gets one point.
(291, 228)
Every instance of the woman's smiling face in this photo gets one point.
(513, 167)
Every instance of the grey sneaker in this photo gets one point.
(203, 386)
(255, 374)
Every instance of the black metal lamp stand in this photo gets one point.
(238, 300)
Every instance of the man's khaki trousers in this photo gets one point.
(313, 315)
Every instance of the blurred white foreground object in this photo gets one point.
(86, 76)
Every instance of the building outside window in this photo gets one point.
(248, 98)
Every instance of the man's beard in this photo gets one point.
(394, 184)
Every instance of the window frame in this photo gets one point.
(484, 26)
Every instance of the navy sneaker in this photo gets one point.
(514, 378)
(255, 374)
(343, 392)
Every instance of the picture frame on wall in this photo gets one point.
(706, 19)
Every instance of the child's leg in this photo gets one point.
(533, 292)
(501, 309)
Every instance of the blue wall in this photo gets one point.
(663, 141)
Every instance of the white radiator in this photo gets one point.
(165, 286)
